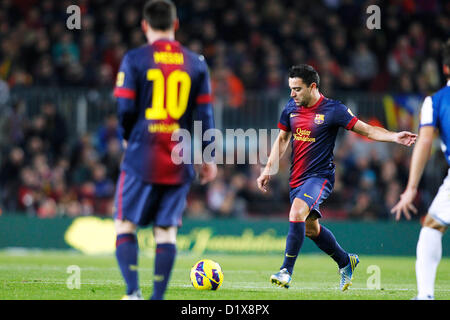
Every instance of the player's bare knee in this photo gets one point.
(124, 226)
(297, 216)
(299, 210)
(165, 234)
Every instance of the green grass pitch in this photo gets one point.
(36, 275)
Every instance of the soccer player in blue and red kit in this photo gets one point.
(310, 122)
(161, 87)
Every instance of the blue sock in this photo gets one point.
(294, 242)
(164, 259)
(328, 244)
(127, 255)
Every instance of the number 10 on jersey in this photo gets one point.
(175, 89)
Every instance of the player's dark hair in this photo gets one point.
(160, 14)
(446, 55)
(306, 73)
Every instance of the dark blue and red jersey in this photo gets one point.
(160, 88)
(314, 132)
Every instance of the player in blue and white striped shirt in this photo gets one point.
(434, 118)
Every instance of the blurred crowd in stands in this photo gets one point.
(249, 45)
(42, 174)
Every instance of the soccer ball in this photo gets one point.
(206, 275)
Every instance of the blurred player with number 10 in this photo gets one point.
(161, 87)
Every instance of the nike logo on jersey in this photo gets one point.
(307, 196)
(294, 114)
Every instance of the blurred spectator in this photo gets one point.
(103, 190)
(66, 50)
(107, 132)
(47, 208)
(9, 184)
(34, 145)
(86, 196)
(13, 124)
(364, 65)
(364, 208)
(104, 187)
(250, 76)
(111, 158)
(55, 129)
(223, 198)
(227, 87)
(105, 76)
(196, 209)
(4, 93)
(45, 72)
(29, 193)
(83, 158)
(401, 57)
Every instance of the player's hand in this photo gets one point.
(263, 181)
(207, 172)
(404, 206)
(405, 138)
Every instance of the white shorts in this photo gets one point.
(440, 207)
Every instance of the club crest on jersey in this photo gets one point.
(319, 119)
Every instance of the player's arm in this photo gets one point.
(204, 113)
(125, 92)
(127, 115)
(405, 138)
(420, 156)
(279, 147)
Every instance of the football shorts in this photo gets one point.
(440, 207)
(313, 191)
(145, 203)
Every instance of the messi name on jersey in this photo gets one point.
(168, 57)
(303, 135)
